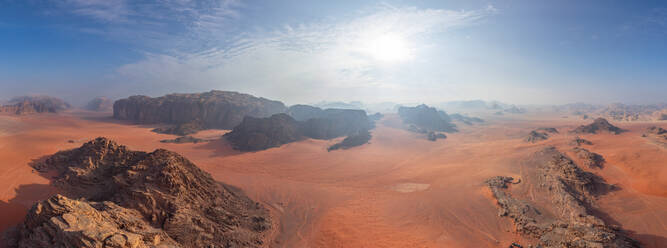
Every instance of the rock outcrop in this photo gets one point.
(540, 134)
(599, 125)
(590, 159)
(566, 219)
(35, 104)
(301, 112)
(578, 141)
(353, 140)
(183, 140)
(100, 104)
(182, 129)
(214, 109)
(116, 197)
(657, 135)
(466, 119)
(426, 118)
(254, 134)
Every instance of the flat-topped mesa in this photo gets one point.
(215, 109)
(100, 104)
(161, 193)
(599, 125)
(255, 134)
(423, 118)
(566, 219)
(35, 104)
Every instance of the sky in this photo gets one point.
(520, 52)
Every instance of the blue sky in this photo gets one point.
(544, 52)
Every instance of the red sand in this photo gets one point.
(399, 191)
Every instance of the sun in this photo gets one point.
(389, 48)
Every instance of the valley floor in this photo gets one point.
(400, 190)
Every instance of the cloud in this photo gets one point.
(336, 58)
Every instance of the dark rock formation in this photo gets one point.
(353, 140)
(567, 220)
(540, 134)
(590, 159)
(578, 141)
(35, 104)
(302, 112)
(598, 126)
(427, 118)
(466, 119)
(183, 140)
(182, 129)
(376, 116)
(214, 109)
(656, 130)
(254, 134)
(433, 136)
(100, 104)
(130, 198)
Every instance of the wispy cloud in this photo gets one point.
(333, 57)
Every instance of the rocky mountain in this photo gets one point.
(465, 119)
(116, 197)
(599, 125)
(566, 220)
(214, 109)
(426, 118)
(100, 104)
(540, 134)
(35, 104)
(590, 159)
(255, 134)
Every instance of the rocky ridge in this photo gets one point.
(424, 119)
(599, 125)
(34, 104)
(115, 197)
(566, 221)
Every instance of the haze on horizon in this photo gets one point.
(521, 52)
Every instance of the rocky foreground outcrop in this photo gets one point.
(255, 134)
(116, 197)
(565, 219)
(100, 104)
(424, 119)
(34, 104)
(214, 109)
(599, 125)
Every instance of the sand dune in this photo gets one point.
(398, 191)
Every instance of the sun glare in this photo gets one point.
(389, 48)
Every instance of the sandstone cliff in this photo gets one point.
(129, 198)
(426, 119)
(35, 104)
(100, 104)
(215, 109)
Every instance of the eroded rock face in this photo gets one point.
(35, 104)
(599, 125)
(182, 129)
(100, 104)
(215, 109)
(566, 220)
(336, 123)
(141, 196)
(426, 118)
(255, 134)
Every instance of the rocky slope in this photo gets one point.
(590, 159)
(565, 220)
(100, 104)
(657, 135)
(214, 109)
(578, 141)
(34, 104)
(425, 118)
(599, 125)
(466, 119)
(540, 134)
(115, 197)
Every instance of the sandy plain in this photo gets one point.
(400, 190)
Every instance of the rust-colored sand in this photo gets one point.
(398, 191)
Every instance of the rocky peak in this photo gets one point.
(599, 125)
